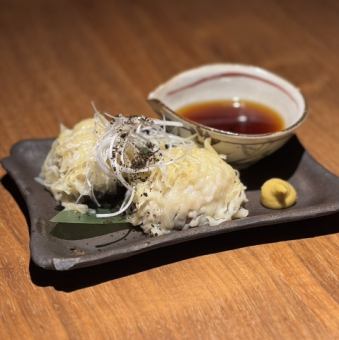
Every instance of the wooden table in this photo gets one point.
(270, 283)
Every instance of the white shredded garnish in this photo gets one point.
(132, 146)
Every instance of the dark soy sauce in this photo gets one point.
(240, 116)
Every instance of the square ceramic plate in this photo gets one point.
(64, 247)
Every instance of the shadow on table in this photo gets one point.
(85, 277)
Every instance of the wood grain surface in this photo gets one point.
(278, 282)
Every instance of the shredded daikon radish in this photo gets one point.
(198, 189)
(99, 153)
(70, 170)
(170, 181)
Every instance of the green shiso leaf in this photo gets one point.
(70, 216)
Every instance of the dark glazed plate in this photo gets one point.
(64, 247)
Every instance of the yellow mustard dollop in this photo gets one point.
(277, 194)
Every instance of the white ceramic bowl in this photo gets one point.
(229, 82)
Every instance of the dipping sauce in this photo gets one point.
(240, 116)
